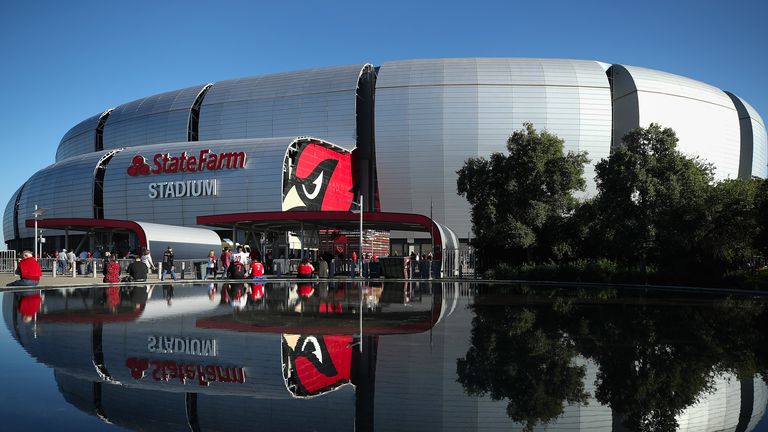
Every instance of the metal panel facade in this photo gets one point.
(703, 116)
(154, 119)
(754, 136)
(317, 102)
(431, 115)
(78, 140)
(65, 188)
(8, 229)
(256, 187)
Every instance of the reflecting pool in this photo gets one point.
(383, 356)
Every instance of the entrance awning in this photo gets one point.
(187, 242)
(331, 220)
(86, 225)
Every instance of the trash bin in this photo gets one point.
(198, 269)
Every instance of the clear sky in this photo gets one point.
(63, 61)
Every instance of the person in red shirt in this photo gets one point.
(28, 270)
(257, 268)
(305, 269)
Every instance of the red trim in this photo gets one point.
(84, 224)
(402, 221)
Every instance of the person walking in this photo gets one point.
(322, 268)
(146, 258)
(225, 260)
(72, 258)
(61, 259)
(168, 264)
(210, 267)
(28, 270)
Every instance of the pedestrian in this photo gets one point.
(137, 270)
(241, 255)
(72, 258)
(257, 268)
(225, 259)
(354, 263)
(236, 270)
(61, 259)
(28, 270)
(210, 267)
(168, 264)
(305, 269)
(146, 258)
(82, 261)
(111, 270)
(322, 268)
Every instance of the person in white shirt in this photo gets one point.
(146, 258)
(242, 256)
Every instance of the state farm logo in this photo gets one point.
(206, 160)
(138, 166)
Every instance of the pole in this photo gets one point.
(360, 256)
(35, 213)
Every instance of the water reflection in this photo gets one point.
(399, 356)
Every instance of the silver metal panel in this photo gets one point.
(151, 120)
(431, 115)
(78, 140)
(319, 102)
(754, 136)
(257, 187)
(8, 229)
(65, 188)
(187, 242)
(703, 116)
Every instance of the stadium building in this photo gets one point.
(254, 158)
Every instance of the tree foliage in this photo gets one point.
(650, 197)
(520, 201)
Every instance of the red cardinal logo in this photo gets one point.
(321, 180)
(138, 166)
(313, 365)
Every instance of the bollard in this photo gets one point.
(55, 266)
(93, 268)
(74, 270)
(183, 268)
(160, 270)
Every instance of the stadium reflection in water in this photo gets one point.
(420, 356)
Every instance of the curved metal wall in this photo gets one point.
(64, 188)
(151, 120)
(703, 116)
(256, 187)
(431, 115)
(318, 102)
(754, 141)
(9, 231)
(78, 140)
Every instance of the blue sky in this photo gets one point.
(64, 61)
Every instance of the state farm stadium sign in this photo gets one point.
(165, 163)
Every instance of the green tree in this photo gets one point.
(726, 238)
(651, 198)
(521, 200)
(519, 355)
